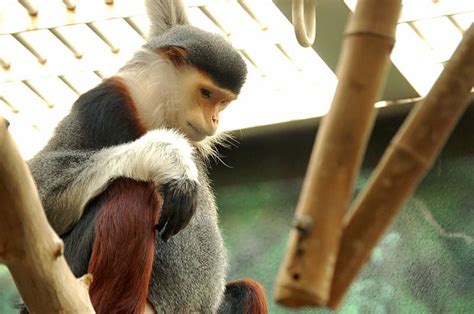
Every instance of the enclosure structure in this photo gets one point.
(461, 292)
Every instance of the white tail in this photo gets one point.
(164, 14)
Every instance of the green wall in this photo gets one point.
(424, 264)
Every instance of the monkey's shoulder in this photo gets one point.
(102, 117)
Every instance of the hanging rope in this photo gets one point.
(304, 21)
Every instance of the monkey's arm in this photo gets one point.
(68, 180)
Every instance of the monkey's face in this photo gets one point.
(176, 94)
(202, 106)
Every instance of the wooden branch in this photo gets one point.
(28, 245)
(405, 162)
(306, 273)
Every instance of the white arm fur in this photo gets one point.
(159, 157)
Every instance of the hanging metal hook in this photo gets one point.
(304, 21)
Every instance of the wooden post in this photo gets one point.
(306, 273)
(405, 162)
(28, 245)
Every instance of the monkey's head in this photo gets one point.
(197, 75)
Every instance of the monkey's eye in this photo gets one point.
(205, 93)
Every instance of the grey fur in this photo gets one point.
(189, 269)
(53, 172)
(207, 51)
(68, 179)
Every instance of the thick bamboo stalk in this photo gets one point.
(306, 272)
(28, 245)
(405, 162)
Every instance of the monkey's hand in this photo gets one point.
(166, 158)
(179, 206)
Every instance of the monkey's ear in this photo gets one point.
(164, 14)
(177, 55)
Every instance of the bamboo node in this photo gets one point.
(304, 225)
(382, 36)
(419, 158)
(59, 250)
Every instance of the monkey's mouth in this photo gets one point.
(199, 131)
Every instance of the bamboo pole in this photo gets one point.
(405, 162)
(28, 245)
(306, 272)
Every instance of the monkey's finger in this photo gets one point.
(184, 222)
(178, 208)
(165, 214)
(161, 223)
(171, 226)
(188, 208)
(179, 223)
(170, 221)
(182, 213)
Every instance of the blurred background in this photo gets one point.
(51, 51)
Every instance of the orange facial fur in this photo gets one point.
(211, 97)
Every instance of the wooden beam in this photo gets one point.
(29, 247)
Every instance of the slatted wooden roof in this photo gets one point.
(51, 51)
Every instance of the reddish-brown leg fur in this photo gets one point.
(245, 296)
(122, 255)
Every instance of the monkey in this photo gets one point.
(124, 178)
